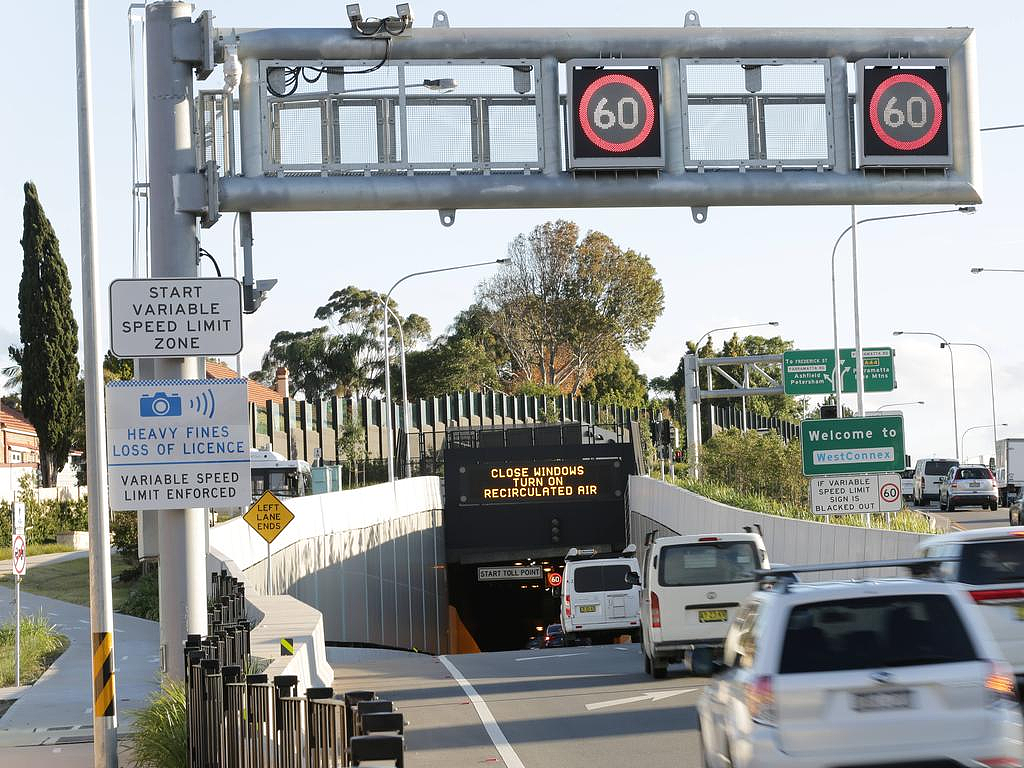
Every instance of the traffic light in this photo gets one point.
(555, 530)
(829, 412)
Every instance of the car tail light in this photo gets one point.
(997, 596)
(655, 611)
(1000, 682)
(708, 538)
(761, 701)
(568, 607)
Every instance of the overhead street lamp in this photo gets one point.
(963, 437)
(991, 382)
(952, 375)
(837, 379)
(881, 408)
(387, 364)
(979, 270)
(696, 354)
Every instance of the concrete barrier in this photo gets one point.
(672, 510)
(370, 560)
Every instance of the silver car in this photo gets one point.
(968, 485)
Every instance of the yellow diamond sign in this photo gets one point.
(269, 516)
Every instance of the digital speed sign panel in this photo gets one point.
(615, 114)
(541, 481)
(903, 112)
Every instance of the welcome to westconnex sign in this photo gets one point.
(852, 446)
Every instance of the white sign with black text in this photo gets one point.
(509, 573)
(174, 443)
(855, 494)
(175, 317)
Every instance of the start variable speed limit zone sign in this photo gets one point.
(615, 114)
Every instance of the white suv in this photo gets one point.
(870, 673)
(968, 485)
(988, 563)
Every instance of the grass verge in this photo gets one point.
(906, 520)
(41, 644)
(159, 735)
(69, 581)
(41, 548)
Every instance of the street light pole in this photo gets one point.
(837, 383)
(952, 376)
(979, 270)
(991, 383)
(405, 389)
(859, 350)
(387, 355)
(881, 408)
(963, 437)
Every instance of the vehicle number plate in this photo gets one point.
(880, 700)
(588, 609)
(1020, 612)
(719, 614)
(975, 485)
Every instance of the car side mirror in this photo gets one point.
(632, 577)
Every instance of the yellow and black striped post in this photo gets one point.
(287, 646)
(103, 673)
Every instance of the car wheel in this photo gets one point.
(950, 506)
(647, 663)
(995, 506)
(658, 671)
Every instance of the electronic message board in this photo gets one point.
(615, 114)
(548, 481)
(903, 112)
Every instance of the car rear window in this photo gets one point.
(719, 562)
(992, 562)
(973, 473)
(938, 467)
(874, 632)
(600, 578)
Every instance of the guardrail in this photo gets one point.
(237, 719)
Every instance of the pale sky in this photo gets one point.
(743, 265)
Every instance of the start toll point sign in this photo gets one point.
(269, 516)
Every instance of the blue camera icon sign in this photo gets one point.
(160, 404)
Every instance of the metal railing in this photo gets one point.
(240, 720)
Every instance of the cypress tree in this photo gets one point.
(49, 338)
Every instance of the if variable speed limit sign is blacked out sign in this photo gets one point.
(904, 112)
(615, 114)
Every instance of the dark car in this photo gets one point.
(534, 642)
(554, 636)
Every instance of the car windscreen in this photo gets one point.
(938, 467)
(992, 562)
(718, 562)
(601, 578)
(973, 473)
(873, 633)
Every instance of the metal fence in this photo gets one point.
(237, 719)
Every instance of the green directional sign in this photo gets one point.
(810, 371)
(852, 446)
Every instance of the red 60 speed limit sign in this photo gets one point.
(890, 492)
(904, 113)
(616, 114)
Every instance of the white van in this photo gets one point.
(692, 587)
(927, 474)
(598, 603)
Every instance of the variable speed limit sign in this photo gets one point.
(904, 113)
(615, 114)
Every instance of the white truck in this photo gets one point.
(1009, 469)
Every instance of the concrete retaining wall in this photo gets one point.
(672, 510)
(366, 559)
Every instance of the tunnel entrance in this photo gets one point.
(524, 496)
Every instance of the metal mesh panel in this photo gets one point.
(406, 116)
(757, 114)
(440, 134)
(719, 132)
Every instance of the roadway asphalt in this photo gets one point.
(571, 707)
(973, 517)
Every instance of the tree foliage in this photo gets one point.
(617, 380)
(450, 365)
(565, 302)
(751, 462)
(49, 339)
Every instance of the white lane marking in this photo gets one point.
(505, 750)
(551, 656)
(653, 696)
(623, 648)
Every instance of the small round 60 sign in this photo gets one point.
(554, 579)
(616, 115)
(904, 116)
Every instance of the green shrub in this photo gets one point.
(41, 643)
(905, 520)
(124, 535)
(751, 462)
(159, 739)
(44, 519)
(144, 599)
